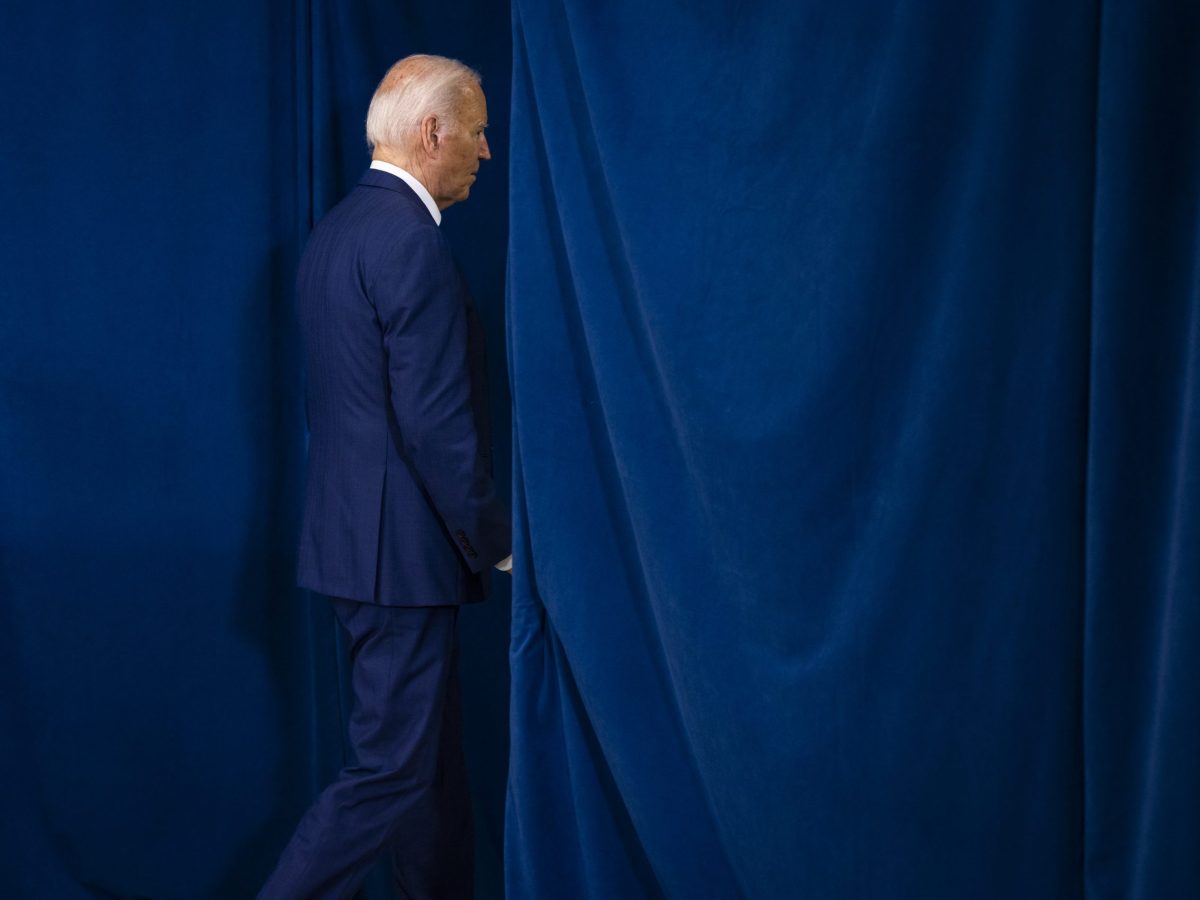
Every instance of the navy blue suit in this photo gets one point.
(400, 508)
(401, 521)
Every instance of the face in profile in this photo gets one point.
(462, 144)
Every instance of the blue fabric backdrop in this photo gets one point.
(854, 352)
(169, 703)
(853, 349)
(1142, 674)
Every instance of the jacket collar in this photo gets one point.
(380, 178)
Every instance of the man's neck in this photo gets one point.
(400, 160)
(414, 181)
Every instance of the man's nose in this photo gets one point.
(484, 152)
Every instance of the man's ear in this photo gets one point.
(430, 139)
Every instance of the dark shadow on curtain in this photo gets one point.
(1142, 682)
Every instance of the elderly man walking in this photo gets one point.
(401, 518)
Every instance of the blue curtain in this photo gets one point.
(1141, 673)
(169, 702)
(853, 349)
(854, 353)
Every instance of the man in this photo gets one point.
(401, 518)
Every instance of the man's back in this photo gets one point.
(399, 494)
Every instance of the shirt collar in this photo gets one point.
(418, 188)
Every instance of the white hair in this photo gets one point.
(414, 88)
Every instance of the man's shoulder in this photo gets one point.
(367, 201)
(372, 214)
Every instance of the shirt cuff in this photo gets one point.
(505, 565)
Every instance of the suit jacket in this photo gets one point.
(400, 507)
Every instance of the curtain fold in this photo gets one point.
(1142, 699)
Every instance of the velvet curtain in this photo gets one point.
(853, 349)
(854, 369)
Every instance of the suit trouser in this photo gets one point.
(406, 792)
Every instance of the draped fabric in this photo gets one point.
(854, 363)
(1141, 677)
(169, 702)
(853, 353)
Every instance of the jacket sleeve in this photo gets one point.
(419, 298)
